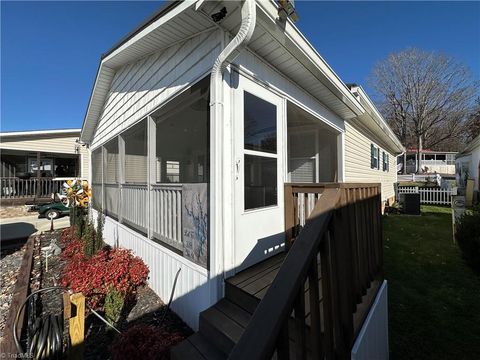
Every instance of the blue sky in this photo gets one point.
(50, 50)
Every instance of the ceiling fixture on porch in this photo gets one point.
(219, 15)
(287, 10)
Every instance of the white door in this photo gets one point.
(259, 173)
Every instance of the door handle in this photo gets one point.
(237, 169)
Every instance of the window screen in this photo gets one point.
(136, 153)
(97, 187)
(111, 162)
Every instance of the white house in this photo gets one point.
(467, 164)
(430, 162)
(198, 119)
(58, 152)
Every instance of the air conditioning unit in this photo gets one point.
(411, 204)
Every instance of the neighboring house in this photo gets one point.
(48, 155)
(192, 146)
(468, 164)
(430, 162)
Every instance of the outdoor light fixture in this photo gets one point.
(219, 15)
(287, 9)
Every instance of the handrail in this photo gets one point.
(275, 308)
(338, 254)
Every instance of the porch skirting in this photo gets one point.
(193, 289)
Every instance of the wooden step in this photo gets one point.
(247, 288)
(196, 347)
(223, 324)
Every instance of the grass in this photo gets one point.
(434, 298)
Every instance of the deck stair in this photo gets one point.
(311, 303)
(222, 325)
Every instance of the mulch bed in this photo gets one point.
(147, 309)
(10, 262)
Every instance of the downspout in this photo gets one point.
(228, 54)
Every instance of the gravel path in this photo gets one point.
(10, 262)
(14, 211)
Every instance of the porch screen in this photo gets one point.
(136, 154)
(111, 178)
(312, 148)
(182, 142)
(97, 189)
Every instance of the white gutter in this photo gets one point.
(229, 53)
(39, 132)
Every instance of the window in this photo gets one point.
(312, 148)
(260, 181)
(97, 187)
(260, 142)
(182, 141)
(260, 119)
(111, 178)
(386, 161)
(136, 153)
(374, 157)
(450, 159)
(111, 162)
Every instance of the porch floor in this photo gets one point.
(256, 280)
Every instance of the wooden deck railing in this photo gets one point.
(319, 299)
(16, 188)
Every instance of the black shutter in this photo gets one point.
(378, 158)
(372, 156)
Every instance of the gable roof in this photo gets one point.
(285, 49)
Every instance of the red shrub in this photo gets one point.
(108, 268)
(145, 341)
(67, 235)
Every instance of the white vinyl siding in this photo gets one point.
(358, 166)
(138, 88)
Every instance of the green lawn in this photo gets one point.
(434, 298)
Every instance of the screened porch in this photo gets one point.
(153, 177)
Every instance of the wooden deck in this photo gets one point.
(222, 325)
(312, 303)
(249, 286)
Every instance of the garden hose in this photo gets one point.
(171, 295)
(45, 334)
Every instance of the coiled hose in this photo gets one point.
(45, 335)
(45, 340)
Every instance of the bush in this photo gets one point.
(114, 302)
(89, 238)
(96, 276)
(144, 341)
(468, 237)
(99, 236)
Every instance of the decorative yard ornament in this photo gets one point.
(77, 192)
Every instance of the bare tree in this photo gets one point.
(472, 126)
(425, 96)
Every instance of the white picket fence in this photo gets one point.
(434, 196)
(416, 177)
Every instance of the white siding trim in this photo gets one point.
(192, 294)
